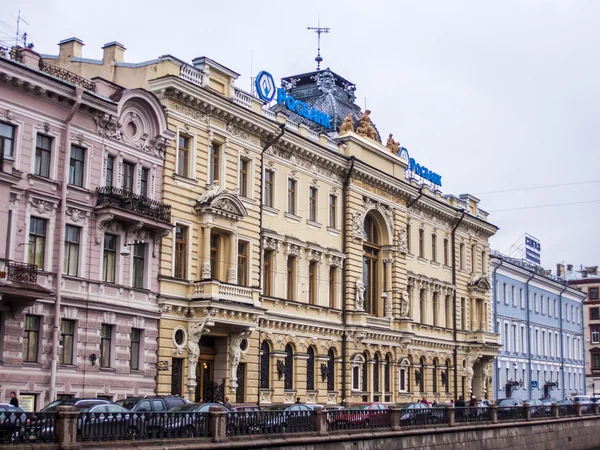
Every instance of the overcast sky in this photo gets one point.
(491, 95)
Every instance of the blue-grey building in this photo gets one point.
(540, 322)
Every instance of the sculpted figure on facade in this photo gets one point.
(358, 228)
(366, 128)
(393, 145)
(235, 355)
(211, 192)
(347, 125)
(360, 295)
(469, 371)
(404, 305)
(402, 241)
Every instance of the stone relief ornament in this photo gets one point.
(393, 145)
(404, 305)
(212, 190)
(360, 295)
(325, 81)
(358, 227)
(366, 128)
(195, 332)
(347, 125)
(402, 241)
(235, 355)
(205, 270)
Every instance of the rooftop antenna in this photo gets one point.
(318, 29)
(19, 20)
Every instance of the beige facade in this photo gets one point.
(342, 297)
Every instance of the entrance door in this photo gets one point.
(204, 380)
(241, 382)
(176, 376)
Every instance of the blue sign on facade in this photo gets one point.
(265, 86)
(420, 170)
(534, 385)
(301, 108)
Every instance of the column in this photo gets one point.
(473, 314)
(388, 307)
(232, 271)
(370, 366)
(205, 273)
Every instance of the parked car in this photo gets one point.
(287, 418)
(537, 408)
(361, 415)
(106, 421)
(157, 403)
(416, 414)
(565, 402)
(582, 399)
(78, 403)
(12, 420)
(244, 419)
(509, 408)
(190, 425)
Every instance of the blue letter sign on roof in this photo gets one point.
(265, 86)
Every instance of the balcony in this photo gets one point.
(218, 290)
(19, 272)
(482, 337)
(18, 286)
(130, 207)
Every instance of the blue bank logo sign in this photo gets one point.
(265, 86)
(414, 168)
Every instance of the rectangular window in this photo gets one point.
(595, 313)
(332, 286)
(596, 361)
(144, 181)
(504, 294)
(110, 170)
(269, 188)
(312, 204)
(555, 309)
(215, 244)
(593, 293)
(332, 211)
(514, 338)
(37, 242)
(105, 345)
(291, 204)
(244, 177)
(7, 140)
(181, 238)
(214, 164)
(267, 273)
(76, 165)
(521, 298)
(421, 243)
(242, 266)
(291, 278)
(183, 154)
(71, 261)
(473, 258)
(542, 305)
(506, 342)
(312, 283)
(139, 256)
(595, 336)
(522, 339)
(463, 314)
(127, 180)
(461, 256)
(43, 151)
(109, 258)
(535, 302)
(434, 248)
(543, 353)
(31, 338)
(446, 253)
(513, 296)
(134, 349)
(408, 243)
(67, 335)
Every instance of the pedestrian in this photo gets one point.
(227, 403)
(13, 399)
(460, 402)
(298, 400)
(473, 402)
(424, 400)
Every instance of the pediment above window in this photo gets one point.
(221, 203)
(479, 284)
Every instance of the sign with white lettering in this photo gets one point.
(418, 170)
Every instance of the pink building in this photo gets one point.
(82, 219)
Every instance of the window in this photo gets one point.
(543, 352)
(291, 278)
(473, 258)
(504, 294)
(43, 151)
(514, 338)
(110, 170)
(37, 241)
(535, 302)
(421, 243)
(593, 293)
(408, 244)
(522, 339)
(268, 273)
(463, 314)
(484, 265)
(512, 295)
(312, 204)
(291, 204)
(332, 286)
(71, 261)
(244, 177)
(595, 336)
(214, 163)
(288, 381)
(144, 182)
(7, 139)
(555, 309)
(215, 244)
(434, 248)
(506, 342)
(242, 265)
(330, 370)
(183, 154)
(181, 238)
(371, 253)
(403, 376)
(595, 313)
(357, 372)
(31, 338)
(543, 310)
(67, 335)
(596, 361)
(105, 345)
(109, 258)
(139, 251)
(312, 282)
(134, 349)
(461, 256)
(310, 370)
(332, 211)
(521, 298)
(76, 165)
(446, 253)
(127, 180)
(265, 365)
(269, 188)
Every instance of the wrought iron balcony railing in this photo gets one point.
(67, 76)
(122, 198)
(18, 271)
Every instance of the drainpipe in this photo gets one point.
(562, 346)
(529, 331)
(495, 300)
(416, 199)
(260, 237)
(61, 248)
(344, 277)
(455, 333)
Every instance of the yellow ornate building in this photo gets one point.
(364, 284)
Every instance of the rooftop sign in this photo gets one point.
(414, 168)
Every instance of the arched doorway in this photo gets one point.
(371, 267)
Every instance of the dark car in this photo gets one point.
(537, 408)
(509, 408)
(361, 415)
(188, 420)
(287, 418)
(147, 418)
(12, 420)
(157, 403)
(78, 403)
(244, 419)
(421, 414)
(104, 422)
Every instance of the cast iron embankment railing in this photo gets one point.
(467, 414)
(357, 419)
(125, 199)
(27, 427)
(511, 412)
(98, 426)
(421, 416)
(587, 409)
(269, 422)
(566, 410)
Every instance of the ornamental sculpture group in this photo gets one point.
(366, 129)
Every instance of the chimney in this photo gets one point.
(592, 270)
(569, 267)
(30, 58)
(113, 52)
(70, 48)
(560, 270)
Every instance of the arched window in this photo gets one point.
(331, 370)
(365, 375)
(403, 376)
(289, 368)
(376, 374)
(435, 375)
(422, 380)
(310, 370)
(357, 370)
(447, 376)
(265, 365)
(387, 375)
(371, 256)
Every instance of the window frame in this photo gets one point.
(106, 339)
(422, 243)
(594, 311)
(12, 140)
(332, 211)
(138, 261)
(37, 239)
(313, 282)
(144, 179)
(110, 161)
(244, 177)
(109, 251)
(332, 286)
(313, 201)
(446, 252)
(180, 259)
(268, 272)
(67, 338)
(215, 158)
(292, 196)
(291, 277)
(269, 192)
(69, 247)
(77, 166)
(38, 158)
(125, 176)
(32, 335)
(184, 151)
(243, 260)
(434, 247)
(135, 348)
(596, 293)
